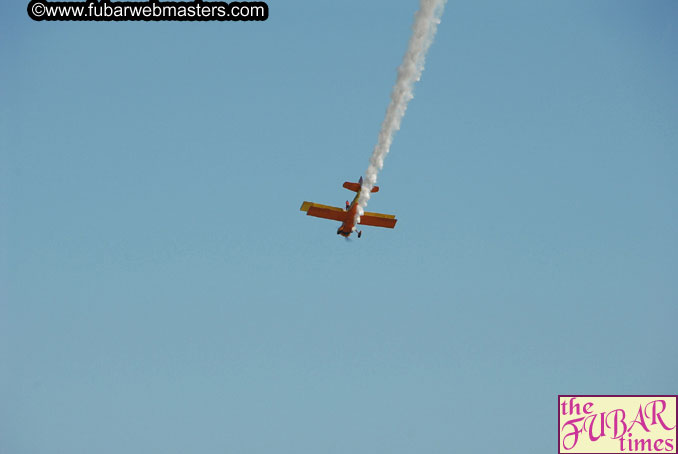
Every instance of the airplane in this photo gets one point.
(347, 215)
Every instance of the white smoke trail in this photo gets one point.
(426, 22)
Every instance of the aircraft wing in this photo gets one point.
(324, 211)
(378, 220)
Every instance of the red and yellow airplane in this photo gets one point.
(347, 216)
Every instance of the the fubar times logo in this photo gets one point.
(617, 424)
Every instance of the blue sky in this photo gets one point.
(161, 292)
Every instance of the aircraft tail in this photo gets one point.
(355, 187)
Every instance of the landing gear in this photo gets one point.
(360, 232)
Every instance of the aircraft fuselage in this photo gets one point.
(348, 227)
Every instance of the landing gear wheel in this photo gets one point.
(360, 232)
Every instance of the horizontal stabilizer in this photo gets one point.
(355, 187)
